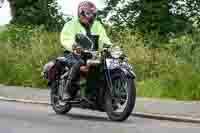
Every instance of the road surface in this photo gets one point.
(29, 118)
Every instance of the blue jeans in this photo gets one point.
(73, 59)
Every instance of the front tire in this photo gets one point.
(131, 98)
(55, 100)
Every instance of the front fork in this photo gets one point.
(126, 72)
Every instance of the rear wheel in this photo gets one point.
(120, 104)
(58, 106)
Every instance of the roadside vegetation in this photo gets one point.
(161, 38)
(167, 70)
(23, 52)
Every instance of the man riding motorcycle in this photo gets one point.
(87, 24)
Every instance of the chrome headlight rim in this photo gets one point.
(116, 51)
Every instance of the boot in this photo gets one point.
(74, 77)
(71, 91)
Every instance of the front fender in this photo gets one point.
(125, 67)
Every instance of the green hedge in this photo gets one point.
(164, 68)
(23, 52)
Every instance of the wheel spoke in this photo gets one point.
(120, 95)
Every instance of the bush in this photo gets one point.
(164, 69)
(18, 35)
(187, 48)
(181, 83)
(22, 60)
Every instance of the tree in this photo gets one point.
(36, 12)
(190, 9)
(162, 16)
(123, 13)
(154, 16)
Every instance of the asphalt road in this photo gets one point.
(29, 118)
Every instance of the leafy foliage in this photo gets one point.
(19, 34)
(161, 16)
(169, 70)
(37, 12)
(21, 61)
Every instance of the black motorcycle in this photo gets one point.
(107, 85)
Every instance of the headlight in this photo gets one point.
(116, 52)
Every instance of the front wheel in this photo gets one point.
(120, 104)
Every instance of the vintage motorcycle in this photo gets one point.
(108, 77)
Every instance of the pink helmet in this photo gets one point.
(87, 12)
